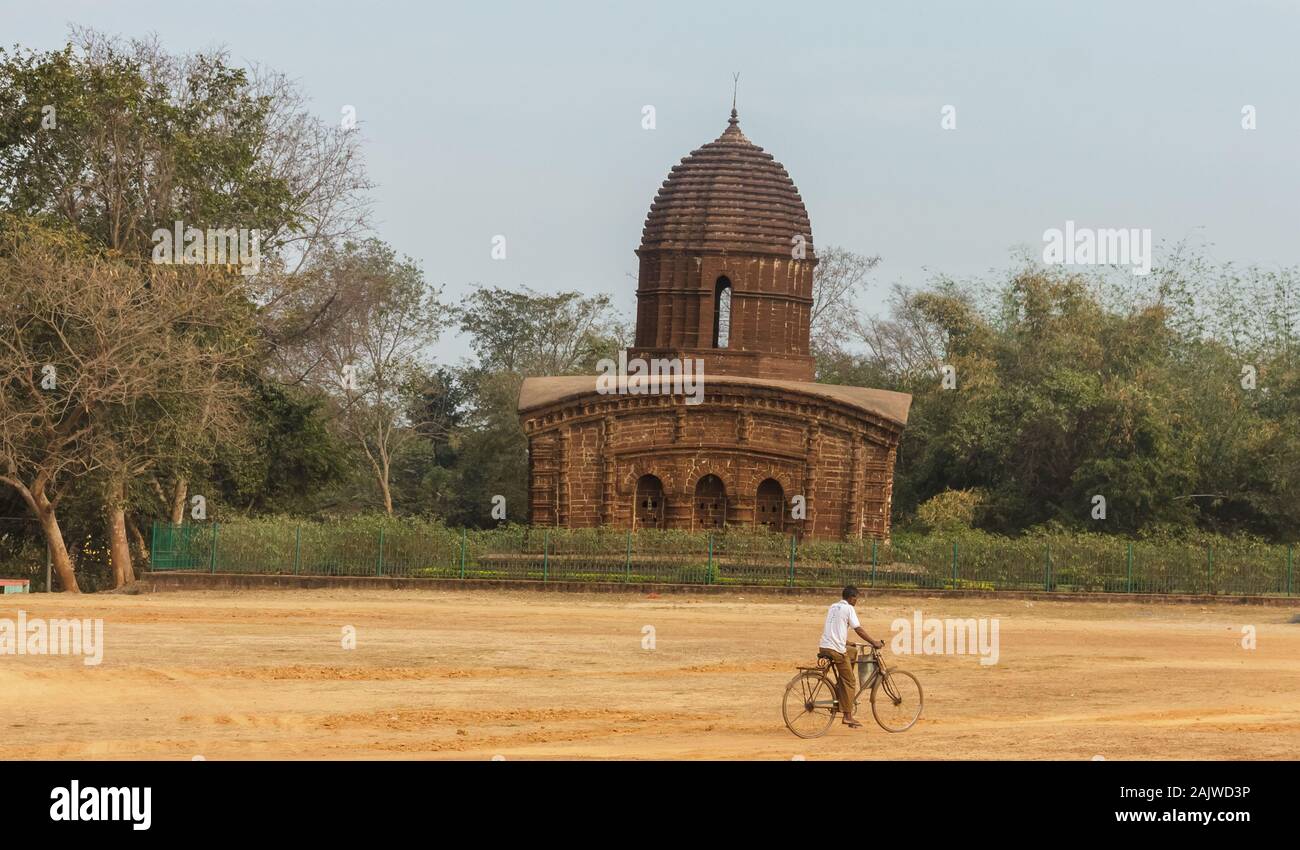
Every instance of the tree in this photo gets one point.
(517, 334)
(108, 367)
(375, 361)
(492, 453)
(293, 458)
(1069, 386)
(439, 406)
(120, 139)
(840, 277)
(529, 333)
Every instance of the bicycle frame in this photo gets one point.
(832, 677)
(804, 698)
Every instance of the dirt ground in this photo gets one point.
(527, 675)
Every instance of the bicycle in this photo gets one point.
(810, 702)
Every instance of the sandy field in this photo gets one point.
(526, 675)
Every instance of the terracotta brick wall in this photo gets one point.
(587, 455)
(771, 309)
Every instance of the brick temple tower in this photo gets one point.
(726, 279)
(727, 264)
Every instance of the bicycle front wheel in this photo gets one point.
(896, 700)
(809, 705)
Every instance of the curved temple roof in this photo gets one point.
(729, 195)
(542, 392)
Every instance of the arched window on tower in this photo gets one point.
(722, 313)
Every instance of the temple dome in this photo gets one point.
(729, 196)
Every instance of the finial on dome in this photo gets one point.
(733, 134)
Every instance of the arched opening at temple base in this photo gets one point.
(648, 511)
(710, 503)
(769, 505)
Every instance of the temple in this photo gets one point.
(726, 281)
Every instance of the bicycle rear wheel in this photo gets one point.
(896, 700)
(809, 705)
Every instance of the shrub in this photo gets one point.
(951, 510)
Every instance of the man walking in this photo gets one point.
(839, 619)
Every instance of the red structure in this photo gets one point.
(726, 277)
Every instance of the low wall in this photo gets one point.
(165, 581)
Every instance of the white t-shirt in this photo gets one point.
(839, 619)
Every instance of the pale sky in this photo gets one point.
(524, 119)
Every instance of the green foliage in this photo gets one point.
(950, 510)
(531, 333)
(1066, 391)
(477, 442)
(491, 453)
(295, 456)
(1047, 558)
(190, 138)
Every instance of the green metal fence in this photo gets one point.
(1083, 563)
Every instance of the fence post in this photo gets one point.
(546, 554)
(873, 561)
(297, 550)
(708, 571)
(627, 563)
(789, 582)
(1047, 567)
(462, 552)
(1209, 567)
(49, 563)
(212, 555)
(1130, 568)
(954, 565)
(1290, 562)
(379, 565)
